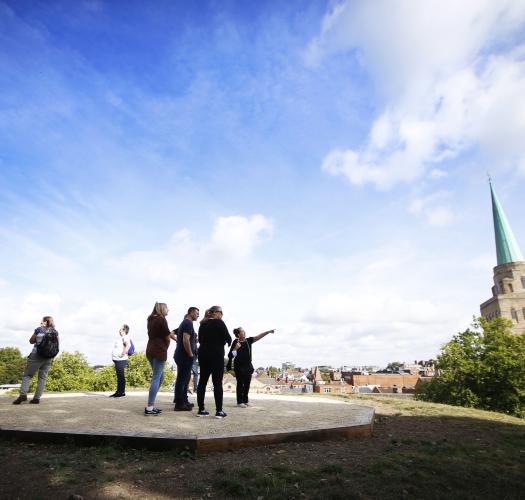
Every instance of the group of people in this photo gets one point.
(212, 336)
(204, 351)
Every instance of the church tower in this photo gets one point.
(508, 292)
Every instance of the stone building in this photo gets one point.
(508, 292)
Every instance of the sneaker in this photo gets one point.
(120, 395)
(220, 414)
(155, 411)
(20, 399)
(34, 401)
(241, 405)
(203, 413)
(182, 408)
(114, 395)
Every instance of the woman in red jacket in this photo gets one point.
(157, 352)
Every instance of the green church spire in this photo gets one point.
(507, 247)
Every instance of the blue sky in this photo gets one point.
(315, 167)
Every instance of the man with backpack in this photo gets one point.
(46, 347)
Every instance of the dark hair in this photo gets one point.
(192, 308)
(125, 328)
(237, 331)
(48, 321)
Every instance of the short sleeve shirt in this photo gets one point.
(186, 327)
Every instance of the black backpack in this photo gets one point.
(48, 347)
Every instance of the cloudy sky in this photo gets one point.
(319, 167)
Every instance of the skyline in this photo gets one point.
(314, 167)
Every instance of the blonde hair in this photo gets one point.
(207, 316)
(48, 321)
(159, 309)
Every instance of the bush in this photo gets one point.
(481, 368)
(12, 365)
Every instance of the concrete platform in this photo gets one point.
(93, 419)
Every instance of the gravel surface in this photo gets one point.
(97, 413)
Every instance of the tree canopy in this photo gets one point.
(71, 372)
(482, 367)
(12, 365)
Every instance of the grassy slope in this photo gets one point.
(418, 450)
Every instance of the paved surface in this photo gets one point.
(97, 413)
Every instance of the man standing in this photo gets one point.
(184, 354)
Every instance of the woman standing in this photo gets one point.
(157, 352)
(213, 335)
(38, 362)
(241, 353)
(120, 359)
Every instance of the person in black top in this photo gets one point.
(213, 335)
(184, 353)
(241, 355)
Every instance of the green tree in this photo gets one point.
(138, 372)
(70, 372)
(394, 365)
(12, 365)
(104, 379)
(483, 367)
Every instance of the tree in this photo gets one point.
(138, 372)
(481, 368)
(394, 365)
(70, 372)
(12, 365)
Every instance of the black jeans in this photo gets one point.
(244, 379)
(121, 378)
(184, 364)
(213, 366)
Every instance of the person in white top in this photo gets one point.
(120, 359)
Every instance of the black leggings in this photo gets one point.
(215, 368)
(243, 386)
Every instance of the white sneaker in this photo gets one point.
(241, 405)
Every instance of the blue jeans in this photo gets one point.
(184, 364)
(195, 371)
(120, 366)
(156, 380)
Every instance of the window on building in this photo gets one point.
(327, 389)
(523, 281)
(501, 289)
(514, 314)
(511, 288)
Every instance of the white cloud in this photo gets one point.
(428, 207)
(237, 236)
(445, 91)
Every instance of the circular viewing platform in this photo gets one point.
(94, 418)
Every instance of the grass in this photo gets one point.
(418, 450)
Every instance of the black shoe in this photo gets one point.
(114, 395)
(220, 414)
(182, 408)
(34, 401)
(120, 395)
(203, 413)
(155, 411)
(187, 403)
(19, 399)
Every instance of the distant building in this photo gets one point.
(385, 380)
(508, 292)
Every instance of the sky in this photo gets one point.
(317, 167)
